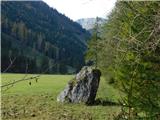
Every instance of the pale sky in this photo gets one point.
(76, 9)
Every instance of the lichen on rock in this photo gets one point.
(82, 88)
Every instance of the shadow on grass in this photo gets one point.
(103, 102)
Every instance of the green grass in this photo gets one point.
(38, 100)
(46, 84)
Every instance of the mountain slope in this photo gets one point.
(88, 23)
(40, 37)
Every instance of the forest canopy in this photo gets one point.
(41, 38)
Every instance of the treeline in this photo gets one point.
(21, 44)
(128, 53)
(41, 38)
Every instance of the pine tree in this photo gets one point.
(92, 53)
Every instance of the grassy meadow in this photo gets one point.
(38, 100)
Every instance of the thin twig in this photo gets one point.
(10, 65)
(24, 79)
(12, 83)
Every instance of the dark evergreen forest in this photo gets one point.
(36, 38)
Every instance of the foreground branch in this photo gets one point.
(10, 65)
(24, 79)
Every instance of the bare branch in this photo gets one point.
(10, 65)
(24, 78)
(14, 82)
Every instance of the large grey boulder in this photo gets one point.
(82, 88)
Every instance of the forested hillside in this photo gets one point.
(128, 53)
(36, 37)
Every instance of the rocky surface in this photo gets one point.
(89, 23)
(82, 88)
